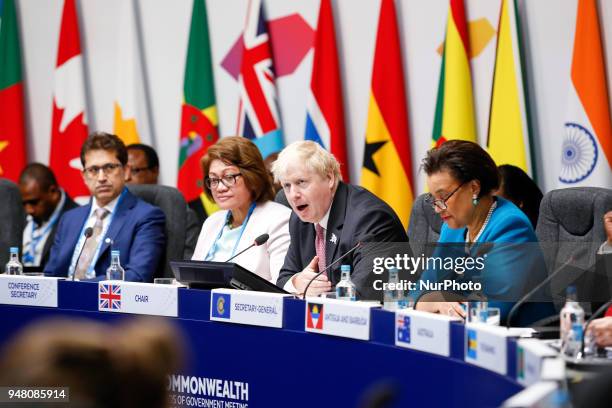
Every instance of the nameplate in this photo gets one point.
(338, 317)
(423, 331)
(138, 298)
(246, 307)
(28, 291)
(487, 346)
(530, 353)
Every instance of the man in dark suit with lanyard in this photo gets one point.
(329, 218)
(44, 202)
(118, 221)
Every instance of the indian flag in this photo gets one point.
(131, 120)
(587, 145)
(454, 117)
(508, 140)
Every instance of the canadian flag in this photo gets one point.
(69, 124)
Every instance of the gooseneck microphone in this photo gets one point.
(260, 240)
(87, 234)
(341, 257)
(534, 290)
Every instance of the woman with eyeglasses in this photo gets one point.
(505, 258)
(236, 178)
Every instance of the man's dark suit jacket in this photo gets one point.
(356, 215)
(136, 230)
(69, 204)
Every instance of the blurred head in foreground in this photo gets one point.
(104, 366)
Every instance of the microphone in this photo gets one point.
(534, 290)
(260, 240)
(341, 257)
(597, 313)
(87, 234)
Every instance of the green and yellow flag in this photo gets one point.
(454, 118)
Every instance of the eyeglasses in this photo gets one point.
(228, 180)
(108, 168)
(137, 170)
(441, 202)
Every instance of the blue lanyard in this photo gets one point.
(229, 214)
(90, 270)
(30, 255)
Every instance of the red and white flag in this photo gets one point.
(69, 124)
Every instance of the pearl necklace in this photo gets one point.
(484, 225)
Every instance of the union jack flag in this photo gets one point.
(110, 296)
(258, 117)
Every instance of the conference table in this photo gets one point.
(287, 365)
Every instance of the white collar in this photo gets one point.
(110, 207)
(325, 220)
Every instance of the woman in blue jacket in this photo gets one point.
(487, 247)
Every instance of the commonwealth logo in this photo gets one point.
(221, 305)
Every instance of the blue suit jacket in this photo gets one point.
(136, 230)
(513, 262)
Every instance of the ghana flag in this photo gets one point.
(387, 165)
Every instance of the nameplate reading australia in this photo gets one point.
(423, 331)
(338, 317)
(246, 307)
(138, 298)
(28, 291)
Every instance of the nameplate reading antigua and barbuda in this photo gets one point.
(338, 317)
(530, 353)
(487, 346)
(28, 291)
(138, 298)
(423, 331)
(246, 307)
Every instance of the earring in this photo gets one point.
(474, 200)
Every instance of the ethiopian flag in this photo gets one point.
(387, 166)
(12, 124)
(199, 112)
(454, 118)
(508, 140)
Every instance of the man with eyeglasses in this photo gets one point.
(118, 220)
(44, 203)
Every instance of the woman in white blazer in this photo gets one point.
(236, 178)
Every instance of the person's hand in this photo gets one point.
(601, 329)
(318, 286)
(608, 226)
(445, 308)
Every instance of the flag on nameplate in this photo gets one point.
(324, 108)
(508, 140)
(454, 117)
(12, 119)
(199, 112)
(69, 123)
(131, 122)
(387, 160)
(109, 296)
(258, 117)
(587, 146)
